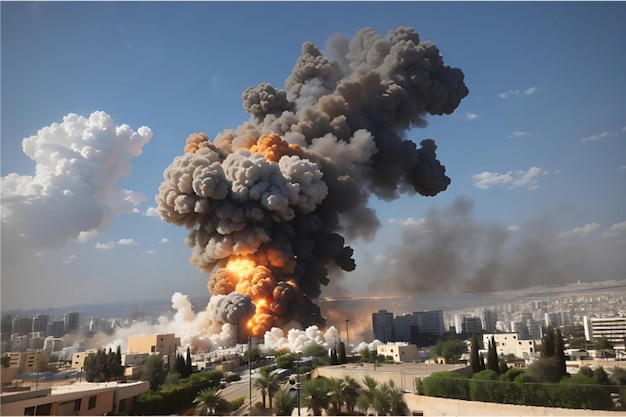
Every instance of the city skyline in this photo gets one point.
(535, 152)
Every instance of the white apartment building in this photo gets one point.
(510, 343)
(613, 328)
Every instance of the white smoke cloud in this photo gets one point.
(73, 193)
(580, 231)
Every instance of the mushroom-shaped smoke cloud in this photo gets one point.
(265, 203)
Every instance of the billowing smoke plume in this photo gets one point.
(450, 251)
(73, 193)
(266, 203)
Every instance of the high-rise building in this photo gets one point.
(22, 325)
(382, 324)
(408, 327)
(56, 328)
(613, 328)
(458, 323)
(72, 322)
(488, 320)
(40, 323)
(472, 325)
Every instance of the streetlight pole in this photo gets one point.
(250, 373)
(347, 336)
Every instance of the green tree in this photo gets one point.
(600, 376)
(350, 389)
(559, 351)
(484, 386)
(366, 355)
(492, 357)
(208, 401)
(335, 395)
(603, 343)
(502, 366)
(6, 361)
(618, 375)
(154, 371)
(585, 370)
(474, 359)
(314, 395)
(188, 365)
(283, 403)
(285, 361)
(254, 353)
(334, 360)
(172, 379)
(450, 349)
(447, 384)
(547, 345)
(544, 370)
(315, 350)
(267, 383)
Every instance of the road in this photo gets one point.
(241, 388)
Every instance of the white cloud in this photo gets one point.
(74, 194)
(595, 137)
(127, 242)
(151, 212)
(70, 259)
(164, 240)
(150, 251)
(512, 179)
(516, 92)
(105, 246)
(470, 116)
(517, 133)
(622, 168)
(531, 90)
(580, 231)
(508, 93)
(616, 230)
(603, 135)
(514, 228)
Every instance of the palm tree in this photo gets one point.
(380, 400)
(207, 401)
(618, 375)
(335, 394)
(398, 406)
(267, 383)
(363, 403)
(283, 403)
(315, 395)
(350, 389)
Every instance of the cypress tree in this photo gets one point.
(188, 365)
(559, 351)
(333, 357)
(474, 359)
(548, 343)
(492, 356)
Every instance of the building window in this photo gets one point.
(152, 349)
(92, 402)
(29, 411)
(43, 410)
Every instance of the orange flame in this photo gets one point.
(273, 147)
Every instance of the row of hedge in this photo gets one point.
(579, 392)
(177, 398)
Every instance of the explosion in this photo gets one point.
(266, 203)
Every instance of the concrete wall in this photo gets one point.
(433, 406)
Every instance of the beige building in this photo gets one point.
(79, 399)
(155, 344)
(400, 352)
(27, 362)
(510, 343)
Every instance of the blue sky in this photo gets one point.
(537, 147)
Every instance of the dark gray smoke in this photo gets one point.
(266, 203)
(449, 251)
